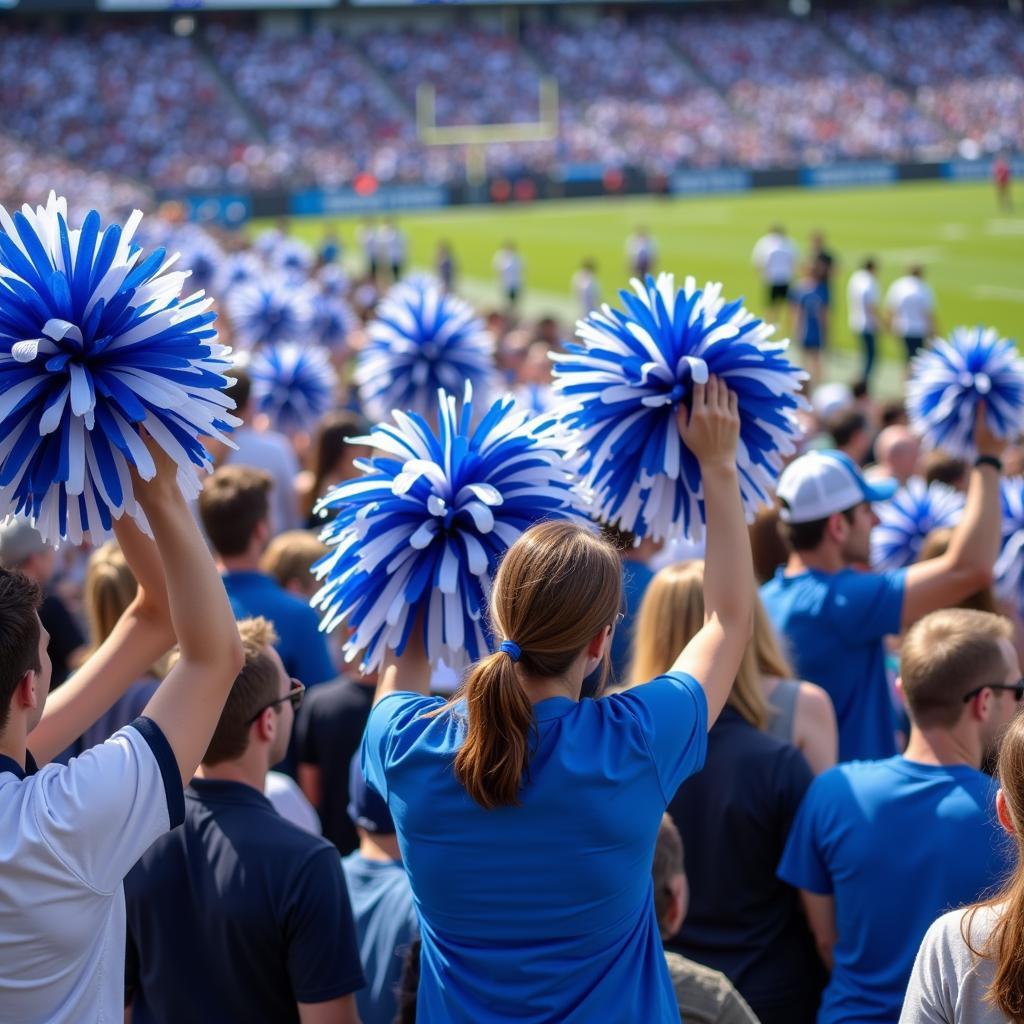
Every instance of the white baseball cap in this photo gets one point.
(819, 484)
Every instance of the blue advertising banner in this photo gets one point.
(383, 200)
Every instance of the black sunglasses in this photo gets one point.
(294, 695)
(1017, 687)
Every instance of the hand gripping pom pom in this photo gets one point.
(948, 380)
(270, 311)
(426, 524)
(621, 388)
(1009, 567)
(422, 340)
(96, 342)
(907, 519)
(293, 384)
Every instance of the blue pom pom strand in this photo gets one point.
(96, 343)
(1009, 567)
(426, 524)
(949, 379)
(907, 519)
(293, 384)
(423, 339)
(623, 384)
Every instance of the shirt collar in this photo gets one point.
(246, 577)
(225, 791)
(553, 707)
(8, 764)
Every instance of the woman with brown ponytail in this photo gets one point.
(970, 968)
(526, 817)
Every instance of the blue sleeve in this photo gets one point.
(393, 723)
(804, 863)
(322, 951)
(312, 658)
(867, 605)
(672, 711)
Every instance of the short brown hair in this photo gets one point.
(668, 864)
(946, 655)
(19, 634)
(232, 503)
(256, 686)
(291, 555)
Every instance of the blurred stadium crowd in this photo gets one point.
(238, 108)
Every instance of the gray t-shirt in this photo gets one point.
(949, 983)
(706, 996)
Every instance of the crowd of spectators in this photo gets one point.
(244, 108)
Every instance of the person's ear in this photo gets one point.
(680, 893)
(1003, 813)
(262, 532)
(266, 725)
(838, 528)
(25, 695)
(901, 691)
(597, 645)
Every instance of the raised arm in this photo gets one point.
(713, 656)
(188, 703)
(142, 635)
(966, 567)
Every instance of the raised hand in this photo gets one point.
(984, 440)
(711, 427)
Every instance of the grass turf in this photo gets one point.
(973, 253)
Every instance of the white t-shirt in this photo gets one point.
(641, 250)
(68, 836)
(862, 301)
(775, 257)
(587, 290)
(911, 303)
(949, 983)
(509, 266)
(291, 803)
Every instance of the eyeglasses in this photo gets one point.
(294, 695)
(1017, 687)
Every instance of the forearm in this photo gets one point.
(729, 568)
(199, 608)
(974, 545)
(143, 559)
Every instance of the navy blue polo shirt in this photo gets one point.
(237, 915)
(303, 648)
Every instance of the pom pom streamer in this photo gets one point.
(270, 311)
(907, 518)
(422, 340)
(622, 385)
(95, 342)
(293, 258)
(1009, 567)
(427, 523)
(293, 384)
(334, 320)
(200, 254)
(238, 268)
(948, 380)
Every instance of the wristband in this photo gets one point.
(990, 460)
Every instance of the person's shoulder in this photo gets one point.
(339, 694)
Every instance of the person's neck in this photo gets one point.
(943, 747)
(825, 558)
(247, 562)
(250, 769)
(382, 849)
(543, 688)
(13, 742)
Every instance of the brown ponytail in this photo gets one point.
(557, 587)
(1005, 945)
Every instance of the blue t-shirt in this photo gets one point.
(636, 577)
(303, 648)
(542, 912)
(237, 915)
(386, 925)
(812, 301)
(896, 843)
(834, 625)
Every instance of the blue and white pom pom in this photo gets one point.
(622, 386)
(333, 281)
(422, 340)
(426, 524)
(334, 321)
(948, 380)
(201, 255)
(293, 384)
(293, 258)
(238, 268)
(1009, 567)
(270, 311)
(96, 343)
(906, 519)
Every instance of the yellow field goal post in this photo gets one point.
(476, 137)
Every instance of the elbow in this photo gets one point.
(234, 655)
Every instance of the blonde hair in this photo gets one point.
(290, 556)
(1005, 945)
(671, 614)
(557, 587)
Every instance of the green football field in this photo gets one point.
(974, 254)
